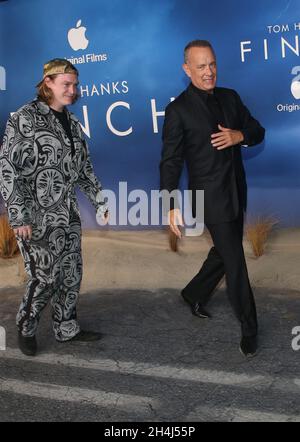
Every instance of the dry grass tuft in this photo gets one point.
(257, 233)
(173, 241)
(8, 243)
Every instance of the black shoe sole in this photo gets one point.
(80, 339)
(27, 352)
(199, 315)
(248, 355)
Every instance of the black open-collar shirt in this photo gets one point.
(214, 106)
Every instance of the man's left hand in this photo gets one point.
(106, 218)
(102, 218)
(226, 138)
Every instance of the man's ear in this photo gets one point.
(47, 81)
(186, 69)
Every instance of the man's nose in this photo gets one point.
(208, 70)
(73, 90)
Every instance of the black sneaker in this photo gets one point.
(27, 345)
(248, 346)
(85, 336)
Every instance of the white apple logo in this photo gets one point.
(295, 89)
(76, 37)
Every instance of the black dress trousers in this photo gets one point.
(226, 258)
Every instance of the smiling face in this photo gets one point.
(64, 90)
(201, 67)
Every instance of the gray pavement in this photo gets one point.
(155, 362)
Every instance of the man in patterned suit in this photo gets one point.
(43, 158)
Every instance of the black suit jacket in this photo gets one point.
(187, 133)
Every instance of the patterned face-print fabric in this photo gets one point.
(38, 173)
(38, 177)
(54, 267)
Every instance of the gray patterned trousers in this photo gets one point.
(53, 263)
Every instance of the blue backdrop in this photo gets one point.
(130, 58)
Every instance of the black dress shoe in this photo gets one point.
(85, 336)
(197, 308)
(248, 346)
(27, 345)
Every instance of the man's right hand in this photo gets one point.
(23, 232)
(175, 220)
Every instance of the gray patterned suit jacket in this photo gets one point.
(38, 174)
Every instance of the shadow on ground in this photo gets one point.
(192, 367)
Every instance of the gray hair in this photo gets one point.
(197, 44)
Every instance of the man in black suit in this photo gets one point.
(206, 126)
